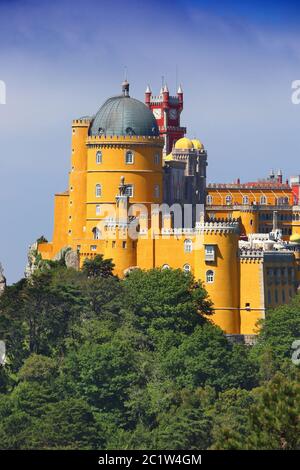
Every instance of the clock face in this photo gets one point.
(157, 113)
(173, 113)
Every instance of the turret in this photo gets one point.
(279, 176)
(148, 94)
(180, 96)
(165, 94)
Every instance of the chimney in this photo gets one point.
(275, 220)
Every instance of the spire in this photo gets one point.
(148, 89)
(125, 88)
(180, 90)
(166, 89)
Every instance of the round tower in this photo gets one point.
(249, 220)
(123, 145)
(217, 265)
(78, 180)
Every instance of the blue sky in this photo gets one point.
(62, 59)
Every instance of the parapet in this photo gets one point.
(219, 226)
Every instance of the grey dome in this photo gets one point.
(122, 115)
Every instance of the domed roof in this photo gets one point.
(184, 144)
(122, 115)
(295, 238)
(197, 144)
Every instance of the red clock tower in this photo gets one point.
(167, 110)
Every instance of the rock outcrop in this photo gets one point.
(2, 280)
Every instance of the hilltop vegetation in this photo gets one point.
(99, 363)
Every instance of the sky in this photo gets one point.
(62, 59)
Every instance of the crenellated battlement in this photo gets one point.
(254, 255)
(219, 226)
(83, 122)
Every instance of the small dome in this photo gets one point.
(168, 158)
(184, 144)
(197, 144)
(295, 238)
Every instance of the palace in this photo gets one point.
(130, 162)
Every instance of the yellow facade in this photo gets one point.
(110, 173)
(255, 205)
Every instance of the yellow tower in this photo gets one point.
(217, 263)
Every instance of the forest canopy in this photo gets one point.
(95, 362)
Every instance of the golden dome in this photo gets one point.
(295, 238)
(184, 144)
(197, 144)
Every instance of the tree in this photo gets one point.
(274, 416)
(187, 425)
(166, 299)
(206, 358)
(279, 330)
(98, 267)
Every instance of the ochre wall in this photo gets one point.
(252, 292)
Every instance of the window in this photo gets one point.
(98, 209)
(210, 276)
(187, 268)
(98, 157)
(209, 252)
(157, 159)
(98, 190)
(93, 247)
(269, 297)
(245, 200)
(228, 199)
(165, 266)
(124, 244)
(263, 200)
(209, 200)
(129, 160)
(188, 246)
(129, 190)
(156, 190)
(96, 233)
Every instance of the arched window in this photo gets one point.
(210, 276)
(209, 200)
(188, 246)
(165, 266)
(99, 157)
(98, 190)
(96, 233)
(187, 268)
(263, 200)
(228, 199)
(129, 159)
(157, 159)
(245, 200)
